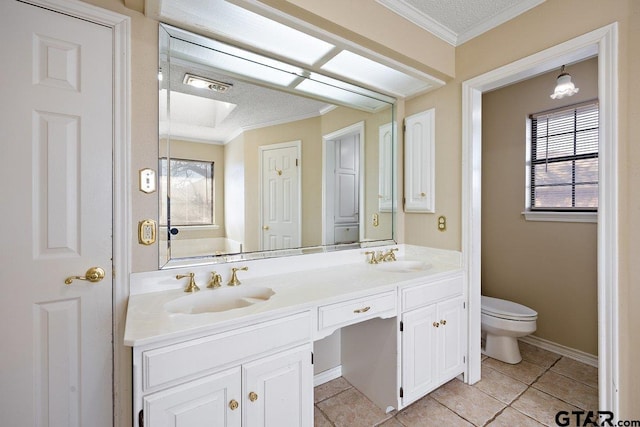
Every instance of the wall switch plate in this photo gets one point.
(147, 232)
(147, 180)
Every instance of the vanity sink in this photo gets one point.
(216, 300)
(404, 266)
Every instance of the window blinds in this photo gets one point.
(564, 159)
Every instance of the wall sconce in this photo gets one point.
(564, 86)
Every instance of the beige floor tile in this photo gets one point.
(352, 409)
(467, 401)
(329, 389)
(512, 418)
(577, 370)
(537, 355)
(524, 371)
(391, 422)
(541, 406)
(498, 385)
(319, 420)
(568, 390)
(427, 412)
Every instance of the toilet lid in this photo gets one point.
(506, 309)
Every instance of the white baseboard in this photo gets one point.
(562, 350)
(328, 375)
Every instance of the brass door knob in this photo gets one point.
(233, 404)
(253, 396)
(265, 227)
(93, 275)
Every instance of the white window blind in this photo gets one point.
(564, 159)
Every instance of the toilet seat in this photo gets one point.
(508, 310)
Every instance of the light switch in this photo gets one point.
(147, 180)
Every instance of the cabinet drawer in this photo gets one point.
(419, 295)
(189, 359)
(333, 316)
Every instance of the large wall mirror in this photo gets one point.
(259, 158)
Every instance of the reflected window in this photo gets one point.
(563, 160)
(190, 192)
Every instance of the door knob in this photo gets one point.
(233, 404)
(93, 275)
(253, 396)
(265, 227)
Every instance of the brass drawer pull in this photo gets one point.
(233, 404)
(253, 396)
(362, 310)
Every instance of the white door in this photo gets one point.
(419, 342)
(280, 196)
(56, 131)
(278, 390)
(210, 401)
(347, 173)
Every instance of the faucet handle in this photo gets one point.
(216, 280)
(373, 259)
(191, 287)
(234, 275)
(391, 255)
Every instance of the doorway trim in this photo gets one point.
(359, 128)
(121, 243)
(602, 42)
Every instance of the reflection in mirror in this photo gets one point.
(259, 158)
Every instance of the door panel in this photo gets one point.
(418, 351)
(56, 129)
(451, 333)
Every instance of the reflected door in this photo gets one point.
(56, 131)
(280, 176)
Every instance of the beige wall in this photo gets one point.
(528, 261)
(549, 24)
(234, 179)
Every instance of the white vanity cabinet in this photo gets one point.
(433, 337)
(257, 375)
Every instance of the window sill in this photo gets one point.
(561, 216)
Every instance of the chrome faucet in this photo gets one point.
(191, 287)
(234, 275)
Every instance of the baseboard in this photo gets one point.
(328, 375)
(562, 350)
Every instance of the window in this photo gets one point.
(190, 192)
(563, 160)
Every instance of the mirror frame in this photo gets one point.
(167, 261)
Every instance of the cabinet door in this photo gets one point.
(278, 390)
(450, 338)
(419, 165)
(419, 340)
(204, 402)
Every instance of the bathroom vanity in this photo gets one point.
(403, 333)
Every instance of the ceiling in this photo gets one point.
(458, 21)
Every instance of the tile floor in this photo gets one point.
(527, 394)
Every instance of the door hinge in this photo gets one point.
(296, 162)
(312, 357)
(141, 418)
(464, 359)
(401, 326)
(464, 305)
(401, 392)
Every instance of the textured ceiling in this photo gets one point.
(457, 21)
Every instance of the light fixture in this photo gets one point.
(204, 83)
(564, 86)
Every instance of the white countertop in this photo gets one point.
(296, 290)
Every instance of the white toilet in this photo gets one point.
(502, 322)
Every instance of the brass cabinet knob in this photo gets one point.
(93, 275)
(253, 396)
(444, 322)
(436, 324)
(265, 227)
(233, 404)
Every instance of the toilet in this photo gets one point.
(502, 323)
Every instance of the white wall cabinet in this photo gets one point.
(419, 164)
(433, 339)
